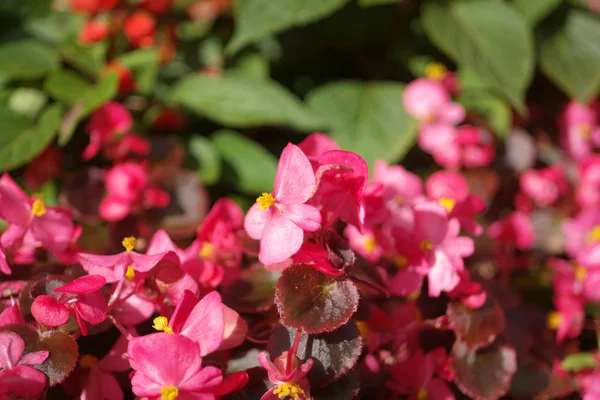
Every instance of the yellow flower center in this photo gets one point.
(400, 262)
(362, 328)
(129, 243)
(265, 201)
(130, 274)
(87, 360)
(206, 250)
(448, 203)
(422, 395)
(288, 389)
(580, 272)
(594, 235)
(162, 324)
(426, 245)
(169, 392)
(38, 208)
(553, 321)
(370, 244)
(435, 71)
(585, 130)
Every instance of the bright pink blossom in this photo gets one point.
(579, 131)
(287, 381)
(568, 318)
(400, 187)
(280, 218)
(16, 375)
(587, 192)
(11, 315)
(81, 297)
(544, 186)
(428, 101)
(316, 144)
(109, 120)
(169, 366)
(31, 221)
(515, 230)
(582, 231)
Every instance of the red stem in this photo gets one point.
(292, 352)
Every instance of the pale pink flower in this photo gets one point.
(579, 131)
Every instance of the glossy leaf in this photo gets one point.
(485, 374)
(240, 102)
(578, 361)
(334, 353)
(27, 59)
(313, 301)
(489, 36)
(66, 86)
(256, 19)
(207, 156)
(367, 118)
(248, 166)
(571, 56)
(535, 11)
(476, 327)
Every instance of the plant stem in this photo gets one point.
(293, 350)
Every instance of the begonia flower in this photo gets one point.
(428, 101)
(582, 231)
(587, 192)
(139, 29)
(515, 229)
(93, 6)
(279, 219)
(579, 131)
(316, 144)
(11, 315)
(291, 382)
(17, 377)
(400, 187)
(110, 119)
(93, 31)
(544, 186)
(568, 318)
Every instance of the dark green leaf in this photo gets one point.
(367, 118)
(89, 59)
(207, 156)
(27, 143)
(371, 3)
(66, 86)
(251, 167)
(27, 59)
(485, 374)
(334, 353)
(243, 103)
(313, 301)
(488, 36)
(578, 361)
(256, 19)
(571, 56)
(535, 11)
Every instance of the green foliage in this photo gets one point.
(27, 59)
(535, 11)
(577, 361)
(207, 156)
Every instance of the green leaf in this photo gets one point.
(27, 142)
(367, 118)
(577, 361)
(256, 19)
(27, 101)
(488, 36)
(89, 59)
(206, 155)
(27, 59)
(371, 3)
(250, 168)
(535, 11)
(495, 110)
(242, 103)
(66, 86)
(571, 56)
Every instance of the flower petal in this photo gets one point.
(84, 284)
(255, 221)
(295, 179)
(305, 216)
(54, 229)
(49, 311)
(280, 240)
(92, 307)
(205, 323)
(12, 347)
(22, 381)
(111, 267)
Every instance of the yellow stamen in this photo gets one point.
(400, 262)
(594, 235)
(422, 395)
(362, 328)
(585, 130)
(38, 208)
(553, 321)
(206, 250)
(169, 392)
(130, 274)
(580, 272)
(448, 203)
(435, 71)
(265, 201)
(129, 243)
(426, 245)
(162, 324)
(288, 389)
(87, 360)
(370, 244)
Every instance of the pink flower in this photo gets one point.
(81, 297)
(582, 231)
(289, 382)
(400, 187)
(569, 317)
(115, 267)
(279, 219)
(587, 192)
(16, 375)
(316, 144)
(591, 386)
(130, 191)
(100, 382)
(208, 322)
(11, 315)
(452, 191)
(170, 367)
(544, 186)
(415, 377)
(579, 131)
(428, 101)
(515, 230)
(110, 119)
(4, 268)
(365, 244)
(129, 144)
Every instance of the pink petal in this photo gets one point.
(305, 216)
(4, 268)
(49, 311)
(113, 209)
(431, 222)
(234, 330)
(14, 204)
(116, 359)
(144, 263)
(11, 315)
(185, 305)
(205, 323)
(231, 383)
(203, 381)
(442, 275)
(161, 242)
(134, 310)
(12, 347)
(405, 282)
(111, 267)
(452, 113)
(280, 240)
(295, 179)
(92, 307)
(14, 235)
(37, 357)
(255, 221)
(54, 229)
(423, 98)
(23, 381)
(109, 386)
(84, 284)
